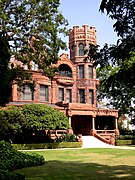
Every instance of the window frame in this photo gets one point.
(61, 94)
(81, 95)
(90, 71)
(27, 93)
(43, 93)
(68, 96)
(81, 71)
(81, 49)
(91, 96)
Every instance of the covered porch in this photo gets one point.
(84, 119)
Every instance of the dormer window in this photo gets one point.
(81, 49)
(65, 70)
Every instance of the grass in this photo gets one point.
(83, 164)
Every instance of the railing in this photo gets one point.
(105, 134)
(105, 131)
(54, 134)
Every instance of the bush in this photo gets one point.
(126, 137)
(25, 124)
(47, 145)
(11, 159)
(124, 142)
(6, 175)
(125, 131)
(67, 138)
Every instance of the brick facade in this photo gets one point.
(69, 81)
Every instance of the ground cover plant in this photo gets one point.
(82, 164)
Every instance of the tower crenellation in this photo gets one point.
(80, 38)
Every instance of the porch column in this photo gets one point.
(93, 122)
(69, 120)
(116, 123)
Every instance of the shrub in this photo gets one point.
(6, 175)
(126, 137)
(25, 124)
(67, 138)
(47, 145)
(125, 142)
(11, 159)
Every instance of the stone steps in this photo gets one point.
(92, 142)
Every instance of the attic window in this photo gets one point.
(65, 70)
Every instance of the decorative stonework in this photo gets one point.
(85, 35)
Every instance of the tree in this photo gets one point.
(29, 32)
(18, 124)
(117, 62)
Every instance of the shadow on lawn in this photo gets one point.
(59, 170)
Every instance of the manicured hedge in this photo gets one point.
(8, 175)
(11, 159)
(47, 145)
(126, 137)
(124, 142)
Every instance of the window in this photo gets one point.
(27, 93)
(81, 96)
(61, 94)
(91, 96)
(34, 66)
(90, 71)
(68, 96)
(81, 49)
(73, 47)
(65, 70)
(43, 96)
(81, 71)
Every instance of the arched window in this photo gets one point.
(81, 49)
(65, 70)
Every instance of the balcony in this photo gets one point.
(67, 81)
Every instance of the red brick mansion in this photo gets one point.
(73, 90)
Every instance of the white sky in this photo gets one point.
(80, 12)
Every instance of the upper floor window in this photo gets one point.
(90, 71)
(27, 93)
(68, 96)
(81, 96)
(34, 66)
(91, 96)
(65, 70)
(81, 49)
(61, 94)
(43, 95)
(81, 71)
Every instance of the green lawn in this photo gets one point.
(83, 164)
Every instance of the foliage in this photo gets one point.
(28, 32)
(123, 14)
(11, 159)
(27, 123)
(67, 138)
(52, 145)
(117, 62)
(5, 174)
(126, 137)
(125, 142)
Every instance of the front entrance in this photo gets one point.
(81, 124)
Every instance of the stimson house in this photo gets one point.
(73, 89)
